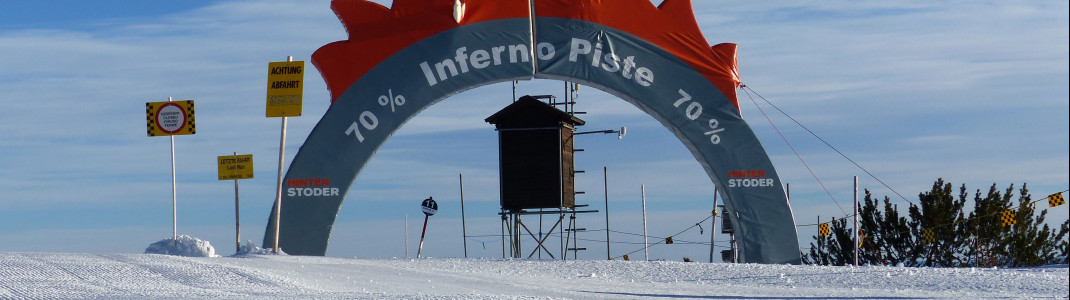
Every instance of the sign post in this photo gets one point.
(713, 224)
(284, 98)
(430, 207)
(236, 167)
(171, 118)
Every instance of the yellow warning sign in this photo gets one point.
(285, 87)
(235, 167)
(170, 118)
(823, 229)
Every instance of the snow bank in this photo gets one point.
(251, 249)
(184, 245)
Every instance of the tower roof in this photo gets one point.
(528, 112)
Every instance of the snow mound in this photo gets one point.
(183, 245)
(251, 249)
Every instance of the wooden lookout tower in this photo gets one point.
(536, 168)
(535, 155)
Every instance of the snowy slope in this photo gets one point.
(80, 276)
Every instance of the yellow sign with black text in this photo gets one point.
(232, 167)
(285, 87)
(170, 118)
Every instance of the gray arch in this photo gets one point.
(427, 72)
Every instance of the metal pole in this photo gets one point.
(509, 229)
(713, 228)
(646, 248)
(420, 250)
(464, 230)
(503, 232)
(735, 243)
(605, 187)
(278, 183)
(567, 235)
(406, 235)
(237, 215)
(564, 236)
(560, 235)
(575, 237)
(174, 190)
(516, 235)
(819, 254)
(856, 221)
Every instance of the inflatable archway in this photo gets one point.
(400, 60)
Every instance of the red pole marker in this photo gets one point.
(430, 208)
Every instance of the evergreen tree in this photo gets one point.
(887, 235)
(872, 238)
(939, 213)
(835, 249)
(988, 235)
(841, 245)
(819, 254)
(1029, 243)
(936, 232)
(1064, 244)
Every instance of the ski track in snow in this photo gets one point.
(139, 276)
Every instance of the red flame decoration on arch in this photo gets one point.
(377, 32)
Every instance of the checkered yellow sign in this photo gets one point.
(1056, 200)
(170, 118)
(1008, 217)
(929, 235)
(823, 229)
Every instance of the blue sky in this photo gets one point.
(972, 91)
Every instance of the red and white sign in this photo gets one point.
(170, 118)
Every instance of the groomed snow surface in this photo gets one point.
(189, 269)
(250, 275)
